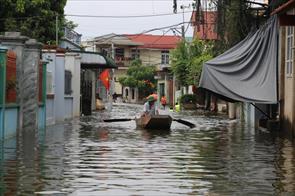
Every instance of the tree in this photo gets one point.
(187, 61)
(33, 18)
(235, 19)
(141, 77)
(180, 62)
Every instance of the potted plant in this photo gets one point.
(188, 101)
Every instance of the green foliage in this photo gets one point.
(33, 18)
(196, 68)
(180, 62)
(188, 98)
(187, 60)
(141, 77)
(235, 19)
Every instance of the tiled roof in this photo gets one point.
(155, 41)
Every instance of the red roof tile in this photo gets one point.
(155, 41)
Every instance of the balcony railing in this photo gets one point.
(73, 36)
(123, 61)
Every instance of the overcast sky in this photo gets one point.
(96, 26)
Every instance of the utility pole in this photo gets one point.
(182, 27)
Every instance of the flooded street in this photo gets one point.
(89, 157)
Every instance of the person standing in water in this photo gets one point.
(163, 101)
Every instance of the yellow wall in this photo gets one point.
(150, 57)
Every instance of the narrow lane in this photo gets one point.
(89, 157)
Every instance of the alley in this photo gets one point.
(86, 156)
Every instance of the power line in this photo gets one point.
(126, 0)
(123, 16)
(95, 16)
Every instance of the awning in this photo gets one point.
(248, 71)
(94, 60)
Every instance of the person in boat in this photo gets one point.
(150, 106)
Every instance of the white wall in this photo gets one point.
(50, 57)
(73, 64)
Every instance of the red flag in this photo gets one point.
(105, 78)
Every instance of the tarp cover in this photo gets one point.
(248, 71)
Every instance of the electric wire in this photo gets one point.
(124, 16)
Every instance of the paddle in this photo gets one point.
(191, 125)
(118, 119)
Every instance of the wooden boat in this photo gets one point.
(154, 122)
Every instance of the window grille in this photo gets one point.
(289, 50)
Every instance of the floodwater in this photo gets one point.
(87, 156)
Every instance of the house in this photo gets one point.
(286, 15)
(150, 49)
(72, 79)
(155, 50)
(118, 47)
(204, 24)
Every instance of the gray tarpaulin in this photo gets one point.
(248, 71)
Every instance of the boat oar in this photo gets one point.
(191, 125)
(118, 119)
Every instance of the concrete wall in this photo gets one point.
(68, 107)
(287, 86)
(76, 84)
(24, 114)
(72, 64)
(59, 87)
(150, 56)
(50, 111)
(50, 57)
(29, 85)
(128, 98)
(58, 105)
(119, 73)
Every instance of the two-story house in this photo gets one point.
(156, 51)
(150, 49)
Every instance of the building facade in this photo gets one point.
(150, 49)
(286, 15)
(205, 24)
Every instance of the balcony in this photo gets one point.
(72, 36)
(162, 67)
(123, 61)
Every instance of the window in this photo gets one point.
(133, 93)
(135, 53)
(165, 57)
(68, 82)
(289, 50)
(119, 53)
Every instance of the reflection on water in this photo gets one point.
(90, 157)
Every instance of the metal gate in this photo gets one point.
(86, 95)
